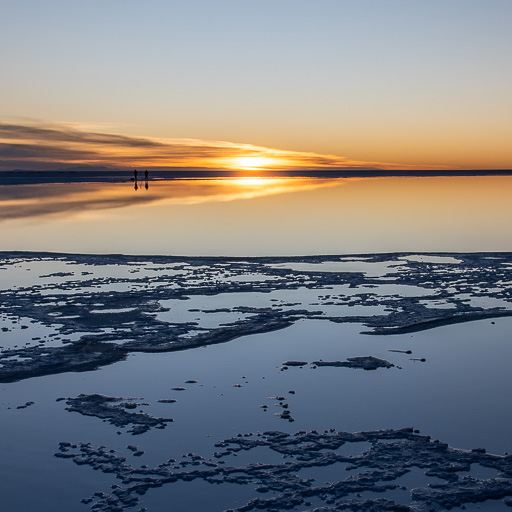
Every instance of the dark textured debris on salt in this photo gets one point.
(136, 451)
(364, 362)
(113, 410)
(25, 405)
(393, 453)
(103, 347)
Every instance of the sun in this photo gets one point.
(252, 162)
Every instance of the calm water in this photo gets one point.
(257, 216)
(459, 394)
(451, 397)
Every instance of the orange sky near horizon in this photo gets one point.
(38, 146)
(333, 83)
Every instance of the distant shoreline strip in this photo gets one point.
(20, 177)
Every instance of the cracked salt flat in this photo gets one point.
(484, 302)
(384, 306)
(414, 478)
(118, 278)
(344, 265)
(337, 397)
(249, 278)
(300, 298)
(437, 304)
(422, 258)
(244, 393)
(180, 313)
(27, 332)
(50, 275)
(488, 506)
(18, 273)
(112, 311)
(105, 286)
(323, 395)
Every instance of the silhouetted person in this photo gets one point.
(146, 174)
(135, 186)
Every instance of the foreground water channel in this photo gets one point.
(107, 350)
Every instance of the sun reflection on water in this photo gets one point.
(253, 181)
(259, 215)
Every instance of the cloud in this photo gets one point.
(50, 146)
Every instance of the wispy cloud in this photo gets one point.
(49, 147)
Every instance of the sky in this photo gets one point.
(273, 83)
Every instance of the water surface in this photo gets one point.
(260, 216)
(453, 385)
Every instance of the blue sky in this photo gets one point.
(401, 81)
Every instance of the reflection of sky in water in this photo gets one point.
(18, 332)
(465, 407)
(180, 312)
(268, 217)
(368, 268)
(199, 496)
(437, 304)
(49, 272)
(484, 302)
(330, 301)
(431, 259)
(457, 395)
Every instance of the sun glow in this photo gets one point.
(252, 162)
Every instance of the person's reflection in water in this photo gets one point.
(135, 186)
(146, 185)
